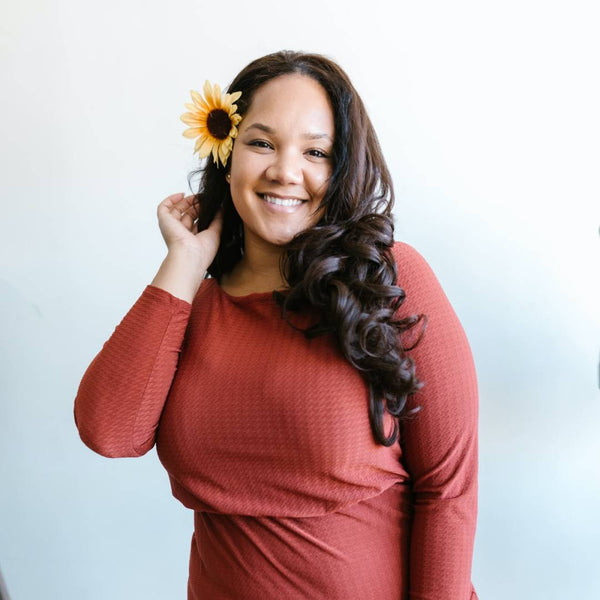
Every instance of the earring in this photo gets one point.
(228, 177)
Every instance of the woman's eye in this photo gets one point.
(260, 144)
(318, 154)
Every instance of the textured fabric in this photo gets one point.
(266, 436)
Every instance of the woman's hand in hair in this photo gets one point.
(190, 252)
(178, 222)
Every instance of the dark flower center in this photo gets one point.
(218, 123)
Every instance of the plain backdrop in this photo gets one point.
(488, 116)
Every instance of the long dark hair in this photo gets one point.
(342, 267)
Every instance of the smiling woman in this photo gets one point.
(281, 162)
(281, 390)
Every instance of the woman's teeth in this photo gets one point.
(282, 201)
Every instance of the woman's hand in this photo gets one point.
(190, 252)
(177, 220)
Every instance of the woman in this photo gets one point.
(282, 392)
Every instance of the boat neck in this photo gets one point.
(253, 297)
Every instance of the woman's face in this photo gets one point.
(281, 160)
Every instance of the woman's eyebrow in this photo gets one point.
(271, 131)
(260, 126)
(317, 136)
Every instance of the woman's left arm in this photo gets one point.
(439, 443)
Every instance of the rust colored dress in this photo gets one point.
(265, 436)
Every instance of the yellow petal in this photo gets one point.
(198, 130)
(207, 89)
(223, 154)
(235, 96)
(212, 98)
(191, 119)
(192, 132)
(197, 98)
(195, 108)
(204, 147)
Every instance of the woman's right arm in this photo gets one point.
(123, 391)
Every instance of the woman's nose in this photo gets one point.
(285, 168)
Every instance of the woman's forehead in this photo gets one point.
(294, 101)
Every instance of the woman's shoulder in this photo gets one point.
(408, 259)
(418, 280)
(401, 249)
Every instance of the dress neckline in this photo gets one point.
(253, 297)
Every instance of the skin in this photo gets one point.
(190, 252)
(277, 152)
(283, 149)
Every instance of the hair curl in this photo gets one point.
(343, 266)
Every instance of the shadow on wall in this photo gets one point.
(3, 591)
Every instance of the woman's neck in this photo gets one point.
(257, 271)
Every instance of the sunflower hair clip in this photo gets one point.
(213, 119)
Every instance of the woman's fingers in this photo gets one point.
(217, 223)
(170, 201)
(177, 201)
(179, 207)
(187, 218)
(188, 211)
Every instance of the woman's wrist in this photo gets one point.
(181, 273)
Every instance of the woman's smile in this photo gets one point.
(282, 203)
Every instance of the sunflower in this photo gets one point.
(213, 120)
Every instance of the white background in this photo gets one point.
(488, 114)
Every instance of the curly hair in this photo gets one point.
(343, 266)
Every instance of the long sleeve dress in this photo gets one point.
(265, 435)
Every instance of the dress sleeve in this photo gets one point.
(123, 391)
(439, 443)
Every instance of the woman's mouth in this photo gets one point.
(281, 201)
